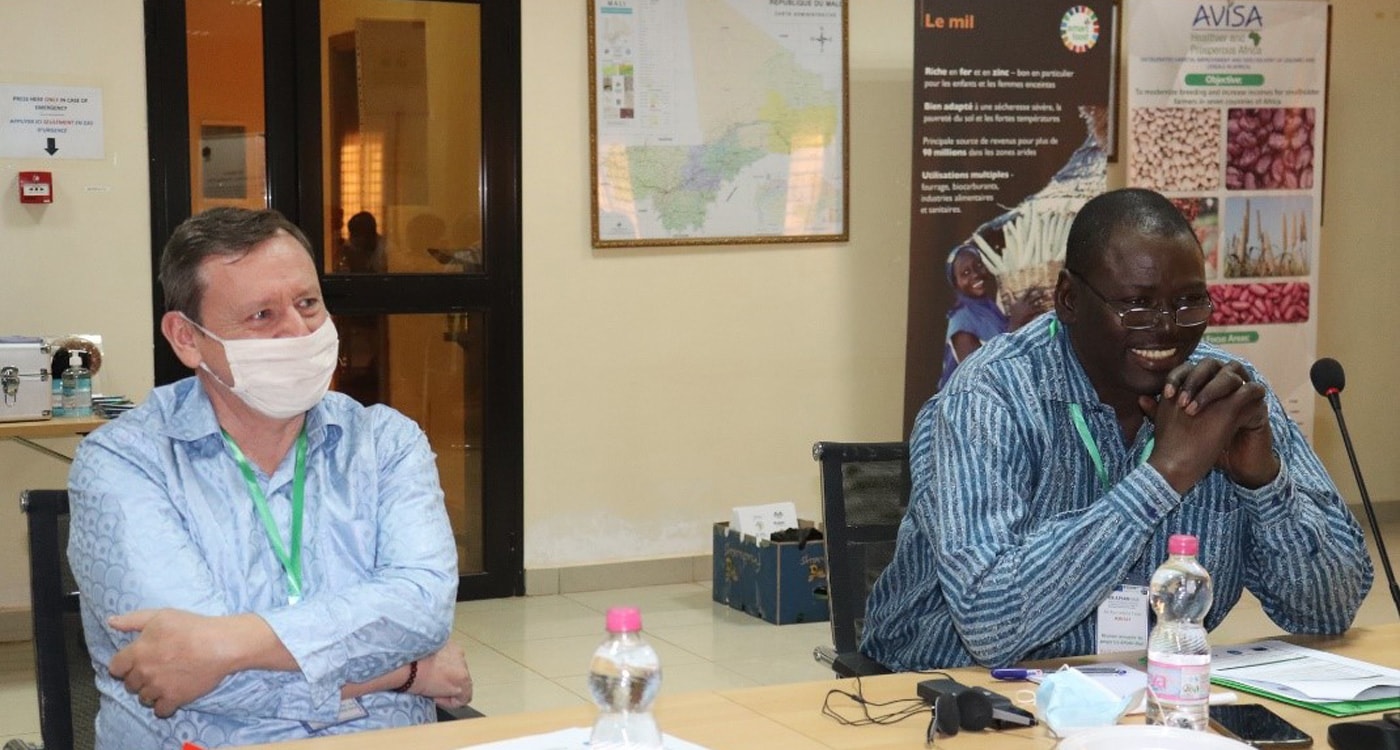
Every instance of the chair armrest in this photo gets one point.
(455, 714)
(848, 663)
(856, 664)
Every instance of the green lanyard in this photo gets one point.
(1076, 413)
(291, 563)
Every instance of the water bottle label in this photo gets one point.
(1179, 678)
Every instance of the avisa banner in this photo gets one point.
(1225, 116)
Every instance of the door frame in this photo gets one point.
(291, 42)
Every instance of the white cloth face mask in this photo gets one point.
(280, 377)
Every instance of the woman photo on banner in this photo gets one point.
(975, 317)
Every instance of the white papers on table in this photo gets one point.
(575, 738)
(1302, 673)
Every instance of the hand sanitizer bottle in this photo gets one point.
(77, 388)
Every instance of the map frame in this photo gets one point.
(824, 197)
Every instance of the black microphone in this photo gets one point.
(1329, 380)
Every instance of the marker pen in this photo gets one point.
(1016, 674)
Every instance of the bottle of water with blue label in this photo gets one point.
(1178, 657)
(623, 678)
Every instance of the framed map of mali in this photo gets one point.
(718, 121)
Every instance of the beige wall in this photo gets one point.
(664, 386)
(81, 264)
(1359, 309)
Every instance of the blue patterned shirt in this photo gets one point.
(1011, 542)
(162, 517)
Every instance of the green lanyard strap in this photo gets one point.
(291, 563)
(1076, 414)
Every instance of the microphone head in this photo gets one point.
(1328, 377)
(974, 711)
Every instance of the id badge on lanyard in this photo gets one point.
(1122, 617)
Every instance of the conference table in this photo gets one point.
(790, 716)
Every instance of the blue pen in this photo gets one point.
(1016, 674)
(1091, 669)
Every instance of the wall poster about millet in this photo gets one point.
(1013, 118)
(1225, 117)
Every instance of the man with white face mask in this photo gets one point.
(260, 560)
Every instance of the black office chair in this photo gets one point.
(68, 697)
(865, 490)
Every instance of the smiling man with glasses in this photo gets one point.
(1049, 472)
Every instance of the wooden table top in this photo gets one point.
(51, 428)
(789, 716)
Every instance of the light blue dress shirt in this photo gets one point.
(1011, 541)
(162, 517)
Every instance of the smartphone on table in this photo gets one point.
(1255, 724)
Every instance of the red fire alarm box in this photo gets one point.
(36, 187)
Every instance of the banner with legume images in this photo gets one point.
(1225, 116)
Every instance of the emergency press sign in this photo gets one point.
(51, 122)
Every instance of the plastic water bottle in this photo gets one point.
(1178, 658)
(623, 678)
(77, 388)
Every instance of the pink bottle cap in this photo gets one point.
(625, 619)
(1182, 544)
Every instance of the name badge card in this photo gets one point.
(350, 710)
(1123, 620)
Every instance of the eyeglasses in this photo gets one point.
(1145, 318)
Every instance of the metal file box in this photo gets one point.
(26, 388)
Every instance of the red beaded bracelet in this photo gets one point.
(412, 675)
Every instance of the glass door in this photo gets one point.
(401, 165)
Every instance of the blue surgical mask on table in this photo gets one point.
(280, 377)
(1069, 700)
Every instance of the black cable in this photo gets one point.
(910, 707)
(907, 707)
